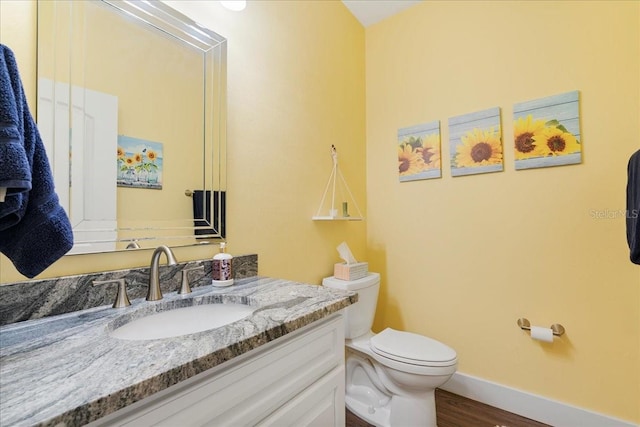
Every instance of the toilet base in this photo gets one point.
(374, 395)
(379, 417)
(407, 412)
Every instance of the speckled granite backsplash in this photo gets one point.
(34, 299)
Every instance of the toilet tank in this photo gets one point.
(359, 316)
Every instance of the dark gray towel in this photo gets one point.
(34, 229)
(202, 210)
(633, 207)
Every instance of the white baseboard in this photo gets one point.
(528, 405)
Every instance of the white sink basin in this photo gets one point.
(182, 321)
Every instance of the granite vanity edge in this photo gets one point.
(35, 299)
(115, 401)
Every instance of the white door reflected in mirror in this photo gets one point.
(83, 161)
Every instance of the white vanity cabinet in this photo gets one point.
(296, 380)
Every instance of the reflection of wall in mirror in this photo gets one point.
(160, 91)
(158, 81)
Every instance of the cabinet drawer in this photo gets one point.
(244, 392)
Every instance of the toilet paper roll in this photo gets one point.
(542, 334)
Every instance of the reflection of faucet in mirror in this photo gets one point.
(154, 292)
(133, 245)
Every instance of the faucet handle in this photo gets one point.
(185, 288)
(122, 299)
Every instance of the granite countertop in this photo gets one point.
(68, 369)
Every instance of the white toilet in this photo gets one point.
(391, 377)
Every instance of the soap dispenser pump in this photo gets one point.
(222, 267)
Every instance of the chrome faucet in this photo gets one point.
(154, 292)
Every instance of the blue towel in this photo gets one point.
(15, 171)
(633, 207)
(34, 229)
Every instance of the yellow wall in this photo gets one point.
(18, 19)
(295, 86)
(463, 258)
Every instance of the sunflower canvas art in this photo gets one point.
(475, 143)
(546, 132)
(419, 152)
(139, 163)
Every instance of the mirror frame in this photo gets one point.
(158, 16)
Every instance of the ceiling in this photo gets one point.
(369, 12)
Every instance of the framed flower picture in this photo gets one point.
(546, 132)
(419, 152)
(475, 143)
(139, 163)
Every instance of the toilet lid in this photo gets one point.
(412, 348)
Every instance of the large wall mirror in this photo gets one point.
(132, 112)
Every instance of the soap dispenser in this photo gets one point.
(222, 267)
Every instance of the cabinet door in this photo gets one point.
(320, 405)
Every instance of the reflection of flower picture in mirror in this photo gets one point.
(139, 163)
(475, 143)
(546, 132)
(419, 152)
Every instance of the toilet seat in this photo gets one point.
(413, 349)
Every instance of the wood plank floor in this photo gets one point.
(457, 411)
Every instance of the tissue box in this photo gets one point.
(354, 271)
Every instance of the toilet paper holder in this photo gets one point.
(557, 328)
